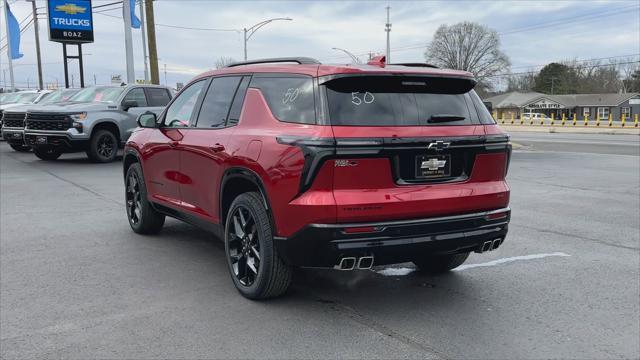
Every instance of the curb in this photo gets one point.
(572, 130)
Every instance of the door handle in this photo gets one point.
(217, 147)
(173, 143)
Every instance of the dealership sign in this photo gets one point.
(70, 21)
(545, 104)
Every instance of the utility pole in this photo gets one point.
(153, 50)
(387, 28)
(9, 51)
(128, 41)
(36, 31)
(144, 42)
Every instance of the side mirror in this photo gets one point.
(148, 120)
(128, 104)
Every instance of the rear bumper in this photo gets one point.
(323, 245)
(13, 136)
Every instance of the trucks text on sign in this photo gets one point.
(70, 21)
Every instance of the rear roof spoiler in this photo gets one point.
(298, 60)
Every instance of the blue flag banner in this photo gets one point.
(135, 22)
(14, 34)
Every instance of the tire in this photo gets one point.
(248, 236)
(143, 218)
(48, 153)
(437, 264)
(103, 146)
(20, 147)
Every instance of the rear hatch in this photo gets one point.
(410, 147)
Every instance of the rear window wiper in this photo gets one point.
(436, 118)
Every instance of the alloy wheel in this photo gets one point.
(134, 203)
(243, 246)
(106, 146)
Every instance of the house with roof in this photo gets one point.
(583, 105)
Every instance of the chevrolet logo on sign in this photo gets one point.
(71, 9)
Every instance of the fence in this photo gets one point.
(598, 122)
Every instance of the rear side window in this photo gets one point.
(158, 97)
(217, 102)
(238, 101)
(483, 113)
(290, 99)
(399, 101)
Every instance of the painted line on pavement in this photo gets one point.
(406, 271)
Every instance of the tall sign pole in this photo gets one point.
(36, 30)
(128, 41)
(144, 42)
(387, 28)
(9, 51)
(153, 50)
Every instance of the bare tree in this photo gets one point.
(223, 61)
(468, 46)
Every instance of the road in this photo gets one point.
(76, 282)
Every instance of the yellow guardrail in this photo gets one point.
(563, 121)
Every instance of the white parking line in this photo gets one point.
(509, 259)
(406, 271)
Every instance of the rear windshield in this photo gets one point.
(400, 101)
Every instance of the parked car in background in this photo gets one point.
(295, 163)
(97, 120)
(536, 117)
(9, 100)
(13, 118)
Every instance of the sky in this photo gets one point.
(532, 33)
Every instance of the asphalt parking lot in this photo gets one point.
(76, 282)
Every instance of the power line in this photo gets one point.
(571, 67)
(557, 22)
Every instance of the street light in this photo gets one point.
(248, 32)
(354, 58)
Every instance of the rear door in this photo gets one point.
(406, 147)
(204, 149)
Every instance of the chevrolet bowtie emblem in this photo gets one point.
(433, 164)
(438, 145)
(71, 9)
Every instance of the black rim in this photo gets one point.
(243, 246)
(134, 204)
(106, 146)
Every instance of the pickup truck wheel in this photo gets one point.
(143, 218)
(257, 270)
(20, 148)
(436, 264)
(103, 146)
(48, 153)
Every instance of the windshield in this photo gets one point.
(20, 98)
(400, 101)
(58, 96)
(102, 94)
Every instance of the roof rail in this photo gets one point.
(416, 65)
(299, 60)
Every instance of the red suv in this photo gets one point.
(295, 163)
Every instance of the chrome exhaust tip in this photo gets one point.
(495, 244)
(365, 263)
(486, 246)
(346, 264)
